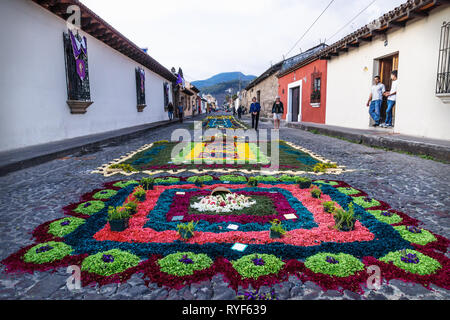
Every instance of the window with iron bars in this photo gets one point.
(443, 73)
(315, 92)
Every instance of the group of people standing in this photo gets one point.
(277, 112)
(378, 91)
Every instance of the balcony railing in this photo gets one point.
(443, 74)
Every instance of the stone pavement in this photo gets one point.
(32, 196)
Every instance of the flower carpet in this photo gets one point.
(311, 248)
(222, 122)
(218, 155)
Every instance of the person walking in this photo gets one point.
(180, 112)
(375, 99)
(391, 99)
(239, 111)
(170, 110)
(255, 108)
(277, 110)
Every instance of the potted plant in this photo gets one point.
(329, 206)
(252, 182)
(345, 220)
(147, 183)
(118, 218)
(132, 207)
(303, 182)
(276, 229)
(139, 193)
(186, 231)
(316, 192)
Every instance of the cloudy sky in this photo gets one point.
(206, 37)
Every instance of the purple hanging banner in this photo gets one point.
(81, 68)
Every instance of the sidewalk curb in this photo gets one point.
(436, 151)
(31, 156)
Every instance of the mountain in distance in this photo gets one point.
(222, 77)
(218, 84)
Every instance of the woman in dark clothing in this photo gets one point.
(277, 111)
(170, 110)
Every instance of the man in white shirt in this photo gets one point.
(375, 99)
(391, 98)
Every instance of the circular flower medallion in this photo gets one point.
(125, 183)
(415, 235)
(90, 207)
(339, 265)
(257, 265)
(412, 261)
(105, 194)
(47, 252)
(110, 262)
(184, 263)
(63, 227)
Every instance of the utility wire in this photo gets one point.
(301, 38)
(351, 20)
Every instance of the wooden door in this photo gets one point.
(386, 66)
(295, 103)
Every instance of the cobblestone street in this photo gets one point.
(32, 196)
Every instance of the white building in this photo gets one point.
(34, 92)
(414, 39)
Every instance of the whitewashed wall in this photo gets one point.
(33, 92)
(418, 111)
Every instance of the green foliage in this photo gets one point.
(316, 192)
(139, 192)
(344, 219)
(122, 261)
(394, 218)
(63, 227)
(426, 265)
(90, 207)
(288, 178)
(197, 179)
(147, 183)
(347, 264)
(104, 194)
(167, 180)
(56, 251)
(252, 181)
(266, 178)
(277, 227)
(186, 230)
(362, 201)
(131, 206)
(348, 191)
(303, 180)
(233, 178)
(329, 206)
(322, 167)
(423, 237)
(247, 268)
(125, 183)
(118, 213)
(171, 264)
(123, 166)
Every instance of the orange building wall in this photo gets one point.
(309, 114)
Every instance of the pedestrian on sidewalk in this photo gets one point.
(391, 99)
(255, 108)
(239, 110)
(375, 99)
(180, 112)
(170, 110)
(277, 110)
